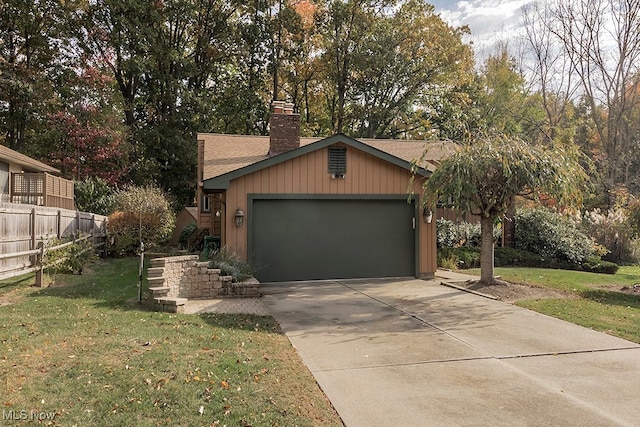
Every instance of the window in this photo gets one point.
(337, 161)
(4, 178)
(205, 203)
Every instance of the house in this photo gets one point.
(26, 180)
(310, 208)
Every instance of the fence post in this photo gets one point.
(33, 259)
(93, 230)
(105, 231)
(40, 263)
(59, 224)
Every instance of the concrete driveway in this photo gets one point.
(415, 353)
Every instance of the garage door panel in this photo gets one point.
(328, 239)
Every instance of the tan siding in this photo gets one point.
(308, 174)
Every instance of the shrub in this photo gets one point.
(452, 235)
(94, 195)
(553, 236)
(69, 259)
(596, 265)
(142, 212)
(461, 257)
(230, 264)
(185, 233)
(512, 257)
(613, 230)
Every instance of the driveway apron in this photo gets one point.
(409, 352)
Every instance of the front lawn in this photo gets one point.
(600, 301)
(85, 351)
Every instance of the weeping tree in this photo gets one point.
(486, 175)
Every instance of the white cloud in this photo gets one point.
(491, 21)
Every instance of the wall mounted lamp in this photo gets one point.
(239, 215)
(427, 215)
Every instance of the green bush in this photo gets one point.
(552, 236)
(461, 257)
(94, 195)
(141, 212)
(512, 257)
(597, 265)
(185, 233)
(70, 259)
(230, 264)
(451, 235)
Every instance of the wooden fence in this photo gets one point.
(26, 230)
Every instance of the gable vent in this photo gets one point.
(337, 162)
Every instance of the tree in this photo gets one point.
(33, 43)
(550, 70)
(405, 58)
(483, 177)
(602, 40)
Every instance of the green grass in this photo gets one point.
(597, 304)
(87, 351)
(567, 280)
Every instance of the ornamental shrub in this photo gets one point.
(553, 236)
(94, 195)
(460, 257)
(230, 264)
(141, 213)
(613, 230)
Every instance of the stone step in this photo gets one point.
(155, 271)
(158, 262)
(159, 291)
(155, 281)
(172, 301)
(170, 305)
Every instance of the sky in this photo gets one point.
(490, 21)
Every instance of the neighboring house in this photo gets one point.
(26, 180)
(310, 208)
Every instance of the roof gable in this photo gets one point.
(12, 156)
(223, 181)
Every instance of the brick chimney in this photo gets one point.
(284, 128)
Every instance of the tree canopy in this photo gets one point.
(118, 89)
(483, 178)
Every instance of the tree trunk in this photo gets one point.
(486, 251)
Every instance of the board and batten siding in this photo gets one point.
(308, 174)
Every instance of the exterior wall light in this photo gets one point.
(427, 215)
(239, 215)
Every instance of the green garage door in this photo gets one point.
(309, 239)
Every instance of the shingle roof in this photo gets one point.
(19, 158)
(226, 153)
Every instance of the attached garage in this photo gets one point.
(314, 237)
(309, 209)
